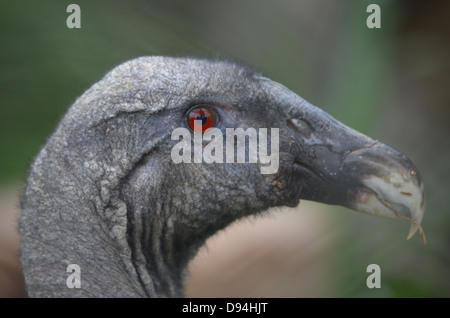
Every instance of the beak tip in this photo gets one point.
(413, 229)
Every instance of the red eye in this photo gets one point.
(202, 114)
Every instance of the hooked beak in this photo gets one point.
(374, 179)
(335, 164)
(390, 185)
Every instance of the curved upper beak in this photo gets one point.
(345, 167)
(390, 185)
(373, 179)
(367, 176)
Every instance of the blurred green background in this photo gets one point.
(390, 83)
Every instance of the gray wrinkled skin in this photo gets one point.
(103, 193)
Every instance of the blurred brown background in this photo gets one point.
(390, 83)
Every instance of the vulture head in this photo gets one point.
(144, 167)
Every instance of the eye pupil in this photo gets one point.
(203, 114)
(202, 117)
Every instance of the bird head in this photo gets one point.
(151, 155)
(319, 158)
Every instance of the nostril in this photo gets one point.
(297, 124)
